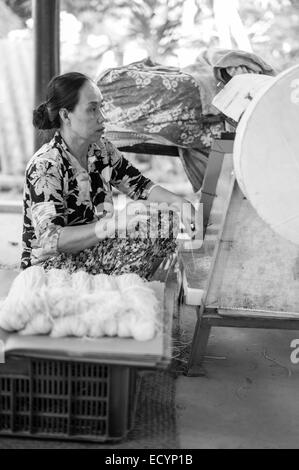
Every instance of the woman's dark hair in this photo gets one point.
(62, 92)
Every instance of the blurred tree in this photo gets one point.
(273, 29)
(8, 20)
(160, 28)
(22, 8)
(271, 26)
(153, 24)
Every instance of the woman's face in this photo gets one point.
(87, 119)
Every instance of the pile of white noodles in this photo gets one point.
(80, 304)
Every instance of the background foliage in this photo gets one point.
(99, 34)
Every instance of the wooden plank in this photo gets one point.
(202, 329)
(224, 145)
(202, 333)
(258, 321)
(195, 264)
(11, 181)
(11, 207)
(217, 267)
(170, 312)
(151, 149)
(265, 314)
(219, 148)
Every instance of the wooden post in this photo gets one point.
(46, 49)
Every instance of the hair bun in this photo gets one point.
(41, 117)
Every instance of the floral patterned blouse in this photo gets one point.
(59, 192)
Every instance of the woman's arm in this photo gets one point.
(75, 239)
(44, 180)
(125, 177)
(160, 194)
(80, 237)
(130, 181)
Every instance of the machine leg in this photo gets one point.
(198, 349)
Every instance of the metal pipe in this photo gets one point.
(46, 50)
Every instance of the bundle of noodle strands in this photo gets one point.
(145, 244)
(60, 304)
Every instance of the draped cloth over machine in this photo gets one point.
(148, 102)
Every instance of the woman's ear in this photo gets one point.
(64, 116)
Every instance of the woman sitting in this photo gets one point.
(68, 205)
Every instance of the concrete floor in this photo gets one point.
(248, 398)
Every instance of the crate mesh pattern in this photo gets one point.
(68, 400)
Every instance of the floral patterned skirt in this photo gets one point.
(137, 253)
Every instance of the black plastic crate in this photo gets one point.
(57, 399)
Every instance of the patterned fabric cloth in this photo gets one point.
(169, 105)
(210, 68)
(58, 192)
(148, 102)
(153, 100)
(140, 252)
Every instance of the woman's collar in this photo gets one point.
(60, 142)
(58, 139)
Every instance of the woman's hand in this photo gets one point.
(189, 216)
(187, 213)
